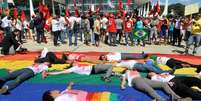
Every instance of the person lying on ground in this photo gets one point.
(147, 86)
(106, 58)
(173, 63)
(86, 69)
(181, 85)
(21, 75)
(50, 56)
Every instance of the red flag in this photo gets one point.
(23, 16)
(15, 13)
(1, 10)
(128, 2)
(77, 13)
(67, 12)
(40, 7)
(120, 5)
(158, 8)
(74, 2)
(46, 13)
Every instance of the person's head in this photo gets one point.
(16, 32)
(151, 74)
(50, 95)
(103, 57)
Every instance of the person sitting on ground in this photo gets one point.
(49, 56)
(173, 63)
(10, 45)
(181, 85)
(21, 75)
(86, 69)
(147, 86)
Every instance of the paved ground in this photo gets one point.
(33, 46)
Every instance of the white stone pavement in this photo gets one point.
(33, 46)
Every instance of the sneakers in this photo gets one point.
(185, 99)
(106, 79)
(4, 89)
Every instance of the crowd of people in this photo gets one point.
(93, 29)
(177, 87)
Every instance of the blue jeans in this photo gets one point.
(70, 36)
(144, 67)
(130, 35)
(63, 35)
(130, 56)
(194, 38)
(17, 77)
(112, 38)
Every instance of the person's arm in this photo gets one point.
(90, 60)
(60, 72)
(123, 82)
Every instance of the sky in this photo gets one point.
(186, 2)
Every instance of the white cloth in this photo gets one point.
(104, 23)
(113, 57)
(72, 20)
(130, 75)
(66, 97)
(38, 68)
(164, 77)
(44, 52)
(73, 57)
(6, 22)
(55, 25)
(162, 60)
(83, 69)
(62, 23)
(18, 25)
(127, 63)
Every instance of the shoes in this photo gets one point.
(64, 57)
(4, 89)
(106, 79)
(185, 99)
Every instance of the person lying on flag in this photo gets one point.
(181, 85)
(86, 69)
(172, 63)
(19, 76)
(147, 86)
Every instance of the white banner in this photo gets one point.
(191, 9)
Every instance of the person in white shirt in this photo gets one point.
(6, 24)
(72, 21)
(147, 86)
(104, 22)
(86, 69)
(173, 63)
(21, 75)
(181, 85)
(56, 29)
(63, 26)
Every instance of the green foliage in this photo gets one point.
(178, 9)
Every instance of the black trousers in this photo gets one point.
(182, 86)
(56, 36)
(177, 37)
(176, 64)
(52, 58)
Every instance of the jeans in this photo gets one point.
(194, 38)
(70, 36)
(56, 36)
(130, 35)
(40, 36)
(17, 77)
(130, 56)
(99, 68)
(112, 38)
(145, 67)
(147, 86)
(62, 36)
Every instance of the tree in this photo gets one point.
(178, 9)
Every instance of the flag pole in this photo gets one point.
(53, 9)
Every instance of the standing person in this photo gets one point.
(91, 21)
(97, 31)
(6, 24)
(56, 30)
(188, 27)
(195, 37)
(18, 25)
(112, 30)
(39, 24)
(104, 22)
(147, 86)
(119, 25)
(153, 30)
(63, 26)
(21, 75)
(86, 29)
(170, 33)
(139, 27)
(70, 33)
(177, 32)
(128, 26)
(164, 31)
(181, 85)
(76, 29)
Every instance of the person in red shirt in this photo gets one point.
(112, 30)
(128, 27)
